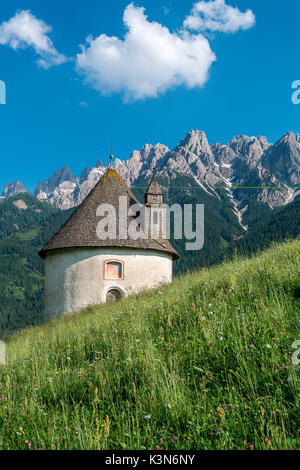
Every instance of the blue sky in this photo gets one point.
(53, 117)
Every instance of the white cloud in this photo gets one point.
(216, 15)
(25, 30)
(148, 61)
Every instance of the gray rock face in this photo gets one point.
(58, 189)
(87, 181)
(282, 160)
(12, 189)
(141, 163)
(275, 170)
(194, 156)
(60, 176)
(65, 190)
(249, 149)
(223, 154)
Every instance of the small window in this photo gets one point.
(114, 270)
(113, 295)
(155, 218)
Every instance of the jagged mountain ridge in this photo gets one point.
(12, 189)
(245, 167)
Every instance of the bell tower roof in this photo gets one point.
(154, 187)
(154, 194)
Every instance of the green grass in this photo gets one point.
(202, 364)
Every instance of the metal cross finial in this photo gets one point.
(111, 157)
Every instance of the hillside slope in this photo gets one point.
(26, 224)
(202, 364)
(284, 224)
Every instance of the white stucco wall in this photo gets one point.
(75, 277)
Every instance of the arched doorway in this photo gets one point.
(113, 295)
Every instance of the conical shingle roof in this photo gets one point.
(154, 187)
(80, 229)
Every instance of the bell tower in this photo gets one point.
(155, 211)
(154, 193)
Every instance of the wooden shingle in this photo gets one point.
(80, 229)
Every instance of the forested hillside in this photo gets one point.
(25, 225)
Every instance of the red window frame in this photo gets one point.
(113, 261)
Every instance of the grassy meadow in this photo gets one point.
(205, 363)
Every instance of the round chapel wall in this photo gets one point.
(78, 277)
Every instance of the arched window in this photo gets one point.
(113, 295)
(113, 270)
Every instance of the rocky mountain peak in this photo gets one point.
(224, 156)
(247, 161)
(85, 173)
(195, 142)
(145, 151)
(59, 176)
(249, 149)
(58, 189)
(193, 156)
(263, 142)
(289, 138)
(12, 189)
(141, 163)
(283, 159)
